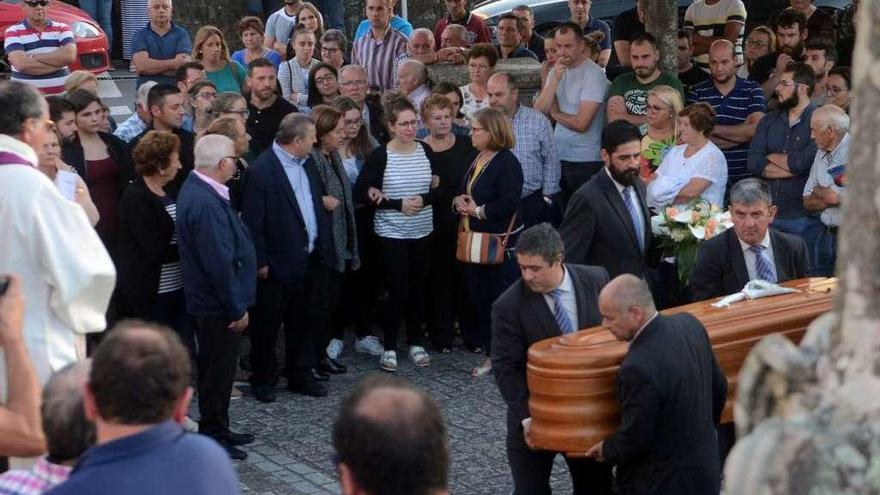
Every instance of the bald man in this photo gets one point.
(413, 77)
(671, 394)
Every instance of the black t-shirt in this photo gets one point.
(625, 26)
(453, 165)
(262, 125)
(692, 77)
(764, 67)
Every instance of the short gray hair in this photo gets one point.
(750, 191)
(630, 291)
(335, 36)
(833, 117)
(351, 67)
(462, 31)
(68, 432)
(541, 240)
(211, 149)
(420, 68)
(143, 92)
(19, 102)
(294, 125)
(423, 31)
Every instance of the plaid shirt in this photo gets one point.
(536, 151)
(41, 478)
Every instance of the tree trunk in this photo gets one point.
(809, 416)
(661, 20)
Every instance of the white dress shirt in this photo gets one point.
(750, 256)
(569, 302)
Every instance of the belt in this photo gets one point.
(831, 229)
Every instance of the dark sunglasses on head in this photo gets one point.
(37, 3)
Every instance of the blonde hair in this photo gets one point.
(202, 36)
(671, 98)
(498, 126)
(77, 78)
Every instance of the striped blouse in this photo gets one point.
(405, 176)
(171, 275)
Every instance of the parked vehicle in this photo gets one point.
(93, 53)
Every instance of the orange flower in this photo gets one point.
(711, 227)
(671, 212)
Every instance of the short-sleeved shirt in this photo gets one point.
(477, 32)
(280, 25)
(24, 37)
(397, 22)
(377, 56)
(228, 79)
(160, 47)
(625, 26)
(676, 171)
(710, 20)
(734, 108)
(691, 77)
(270, 55)
(585, 82)
(829, 170)
(594, 25)
(635, 93)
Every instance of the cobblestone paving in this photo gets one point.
(293, 451)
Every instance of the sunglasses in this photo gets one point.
(37, 3)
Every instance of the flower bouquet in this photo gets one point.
(681, 229)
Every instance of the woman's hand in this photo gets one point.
(376, 196)
(465, 205)
(412, 205)
(435, 181)
(330, 203)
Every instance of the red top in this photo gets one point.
(477, 32)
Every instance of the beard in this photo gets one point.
(645, 71)
(793, 51)
(789, 103)
(625, 177)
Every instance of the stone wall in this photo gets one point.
(527, 72)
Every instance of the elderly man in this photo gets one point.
(419, 47)
(159, 48)
(68, 433)
(414, 81)
(141, 119)
(509, 41)
(535, 149)
(353, 84)
(671, 394)
(552, 298)
(137, 394)
(457, 13)
(390, 434)
(379, 48)
(46, 238)
(453, 45)
(750, 250)
(219, 282)
(826, 184)
(40, 49)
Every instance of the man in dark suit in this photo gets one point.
(750, 250)
(671, 393)
(607, 221)
(551, 299)
(292, 233)
(219, 272)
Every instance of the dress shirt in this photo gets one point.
(635, 198)
(294, 169)
(42, 477)
(829, 170)
(750, 256)
(131, 128)
(569, 301)
(221, 189)
(536, 151)
(639, 332)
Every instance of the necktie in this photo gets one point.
(633, 213)
(763, 268)
(560, 314)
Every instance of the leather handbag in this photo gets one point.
(481, 248)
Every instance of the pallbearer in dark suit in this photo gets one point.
(671, 393)
(607, 222)
(551, 299)
(750, 249)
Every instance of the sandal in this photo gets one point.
(483, 369)
(419, 356)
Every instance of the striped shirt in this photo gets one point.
(171, 275)
(377, 56)
(710, 19)
(405, 176)
(734, 108)
(33, 41)
(536, 151)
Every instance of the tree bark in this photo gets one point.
(661, 20)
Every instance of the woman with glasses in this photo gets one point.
(333, 48)
(230, 105)
(481, 62)
(234, 129)
(837, 87)
(49, 162)
(250, 30)
(293, 75)
(664, 103)
(396, 182)
(209, 47)
(323, 85)
(201, 96)
(760, 42)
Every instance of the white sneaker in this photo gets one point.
(388, 361)
(370, 345)
(190, 425)
(334, 349)
(419, 356)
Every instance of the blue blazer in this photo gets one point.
(498, 189)
(216, 253)
(270, 210)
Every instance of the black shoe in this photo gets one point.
(234, 453)
(318, 375)
(264, 393)
(332, 366)
(307, 385)
(236, 439)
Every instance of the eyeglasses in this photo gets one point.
(408, 123)
(329, 50)
(756, 43)
(354, 122)
(654, 108)
(833, 90)
(207, 95)
(358, 82)
(325, 80)
(244, 113)
(786, 83)
(37, 3)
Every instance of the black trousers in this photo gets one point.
(405, 263)
(301, 307)
(485, 283)
(447, 295)
(359, 288)
(533, 209)
(574, 175)
(216, 361)
(532, 468)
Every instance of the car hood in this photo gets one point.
(10, 12)
(492, 8)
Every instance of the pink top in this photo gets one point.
(221, 189)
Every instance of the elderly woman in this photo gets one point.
(760, 42)
(293, 75)
(150, 277)
(694, 168)
(838, 87)
(81, 79)
(50, 164)
(481, 62)
(234, 129)
(250, 30)
(487, 201)
(397, 182)
(230, 104)
(460, 125)
(664, 104)
(454, 154)
(201, 96)
(210, 48)
(334, 45)
(323, 85)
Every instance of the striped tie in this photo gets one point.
(560, 314)
(763, 268)
(637, 221)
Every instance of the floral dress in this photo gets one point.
(653, 153)
(470, 104)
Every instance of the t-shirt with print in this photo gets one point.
(585, 82)
(635, 93)
(710, 20)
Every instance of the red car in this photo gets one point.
(92, 50)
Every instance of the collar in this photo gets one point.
(171, 27)
(465, 20)
(13, 151)
(639, 332)
(566, 284)
(841, 149)
(384, 35)
(620, 187)
(221, 189)
(423, 89)
(285, 157)
(764, 242)
(50, 472)
(132, 445)
(49, 23)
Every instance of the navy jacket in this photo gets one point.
(270, 210)
(498, 190)
(216, 253)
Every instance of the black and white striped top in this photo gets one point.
(405, 176)
(171, 275)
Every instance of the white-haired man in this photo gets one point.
(141, 119)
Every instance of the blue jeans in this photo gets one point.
(101, 12)
(808, 228)
(824, 255)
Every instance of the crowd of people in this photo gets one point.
(317, 184)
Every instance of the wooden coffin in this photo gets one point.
(571, 378)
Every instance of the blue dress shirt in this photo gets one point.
(294, 169)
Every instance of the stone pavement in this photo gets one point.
(293, 452)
